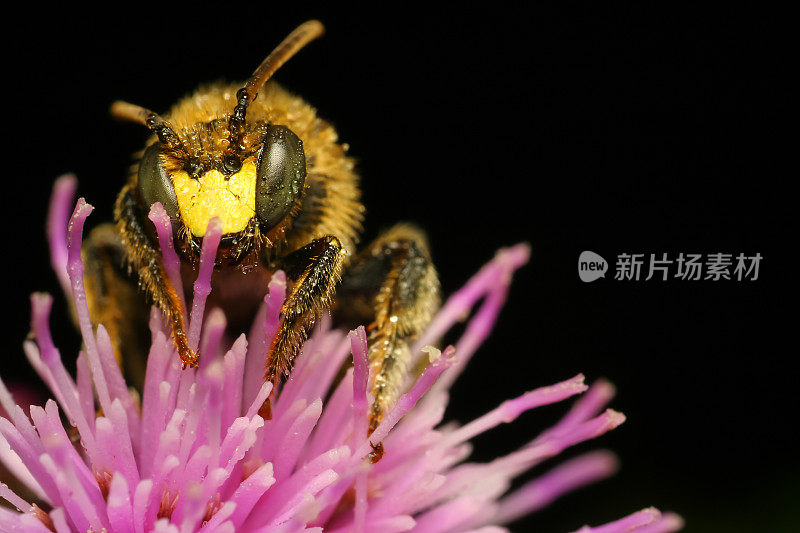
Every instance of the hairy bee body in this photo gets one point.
(260, 161)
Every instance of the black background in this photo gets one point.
(634, 130)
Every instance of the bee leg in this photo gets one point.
(394, 284)
(113, 299)
(315, 270)
(143, 256)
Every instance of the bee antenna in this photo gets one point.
(293, 43)
(141, 115)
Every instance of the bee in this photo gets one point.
(288, 197)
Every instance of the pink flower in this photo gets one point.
(192, 454)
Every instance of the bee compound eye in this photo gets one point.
(155, 184)
(281, 175)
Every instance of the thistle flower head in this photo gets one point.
(191, 453)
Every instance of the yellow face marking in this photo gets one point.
(231, 198)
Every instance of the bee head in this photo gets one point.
(252, 174)
(263, 184)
